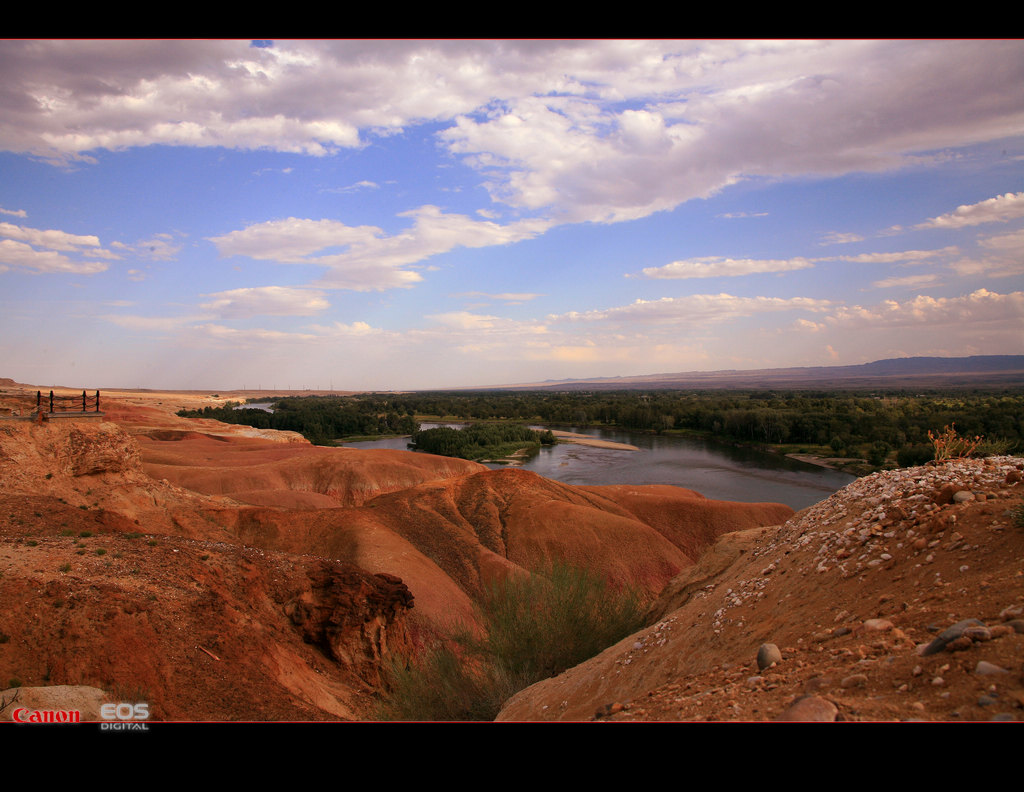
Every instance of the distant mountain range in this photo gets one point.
(974, 371)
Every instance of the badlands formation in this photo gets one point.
(224, 573)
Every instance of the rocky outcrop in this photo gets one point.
(356, 619)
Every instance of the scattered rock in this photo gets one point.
(810, 709)
(767, 656)
(949, 635)
(987, 668)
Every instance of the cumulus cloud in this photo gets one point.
(19, 254)
(979, 307)
(584, 130)
(14, 212)
(995, 210)
(718, 267)
(52, 239)
(370, 260)
(267, 300)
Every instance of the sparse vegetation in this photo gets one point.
(65, 567)
(950, 445)
(535, 627)
(85, 534)
(101, 551)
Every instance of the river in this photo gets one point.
(716, 470)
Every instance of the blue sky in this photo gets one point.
(428, 214)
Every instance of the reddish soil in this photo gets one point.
(222, 573)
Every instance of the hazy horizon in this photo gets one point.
(408, 215)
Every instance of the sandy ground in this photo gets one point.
(590, 440)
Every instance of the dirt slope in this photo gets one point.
(226, 576)
(850, 591)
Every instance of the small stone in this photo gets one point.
(938, 681)
(959, 644)
(854, 680)
(1017, 624)
(985, 667)
(878, 625)
(1003, 716)
(963, 496)
(986, 700)
(1011, 612)
(978, 634)
(767, 656)
(810, 709)
(946, 636)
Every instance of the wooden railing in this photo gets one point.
(59, 404)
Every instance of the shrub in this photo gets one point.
(535, 626)
(950, 445)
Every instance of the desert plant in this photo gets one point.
(541, 624)
(534, 626)
(950, 445)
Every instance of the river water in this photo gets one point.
(717, 471)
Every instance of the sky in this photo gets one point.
(417, 214)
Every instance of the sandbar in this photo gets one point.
(590, 440)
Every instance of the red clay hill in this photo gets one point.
(222, 572)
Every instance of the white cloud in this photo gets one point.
(249, 337)
(718, 267)
(15, 212)
(912, 281)
(999, 209)
(695, 309)
(979, 307)
(892, 258)
(1012, 242)
(840, 238)
(151, 323)
(18, 254)
(371, 260)
(51, 239)
(266, 300)
(585, 130)
(464, 320)
(507, 297)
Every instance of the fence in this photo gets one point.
(60, 404)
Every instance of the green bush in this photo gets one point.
(535, 627)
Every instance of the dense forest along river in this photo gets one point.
(717, 471)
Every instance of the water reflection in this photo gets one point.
(717, 471)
